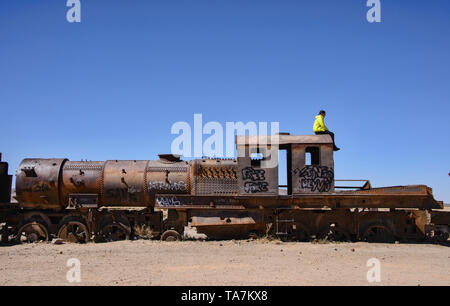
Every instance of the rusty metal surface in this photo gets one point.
(172, 201)
(215, 177)
(254, 177)
(284, 139)
(317, 177)
(37, 183)
(48, 183)
(338, 200)
(163, 176)
(123, 183)
(225, 217)
(440, 217)
(81, 177)
(406, 190)
(5, 182)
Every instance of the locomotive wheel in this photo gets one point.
(32, 232)
(5, 233)
(114, 228)
(378, 233)
(74, 229)
(170, 235)
(441, 237)
(299, 233)
(38, 217)
(114, 232)
(334, 233)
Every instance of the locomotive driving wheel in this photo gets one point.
(378, 232)
(334, 232)
(441, 237)
(114, 227)
(32, 232)
(114, 232)
(170, 235)
(296, 232)
(74, 229)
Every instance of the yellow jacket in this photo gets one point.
(319, 125)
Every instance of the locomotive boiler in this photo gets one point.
(220, 198)
(62, 184)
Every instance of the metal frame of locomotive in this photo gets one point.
(222, 198)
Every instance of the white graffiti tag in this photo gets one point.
(169, 201)
(171, 186)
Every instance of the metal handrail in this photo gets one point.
(365, 186)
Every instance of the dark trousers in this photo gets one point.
(329, 133)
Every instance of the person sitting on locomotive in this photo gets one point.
(319, 128)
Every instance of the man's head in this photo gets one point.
(322, 112)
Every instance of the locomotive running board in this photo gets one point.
(416, 196)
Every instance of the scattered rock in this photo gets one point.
(353, 250)
(191, 233)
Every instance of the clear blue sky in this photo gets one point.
(111, 86)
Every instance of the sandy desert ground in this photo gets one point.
(241, 262)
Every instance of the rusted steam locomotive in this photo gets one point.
(220, 198)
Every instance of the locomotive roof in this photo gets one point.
(284, 139)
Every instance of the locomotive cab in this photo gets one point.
(309, 164)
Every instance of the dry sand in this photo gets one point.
(258, 262)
